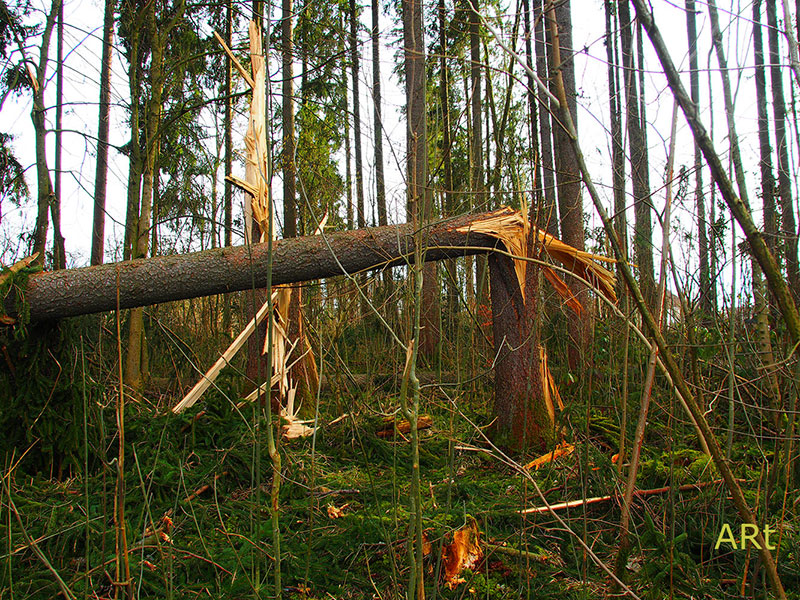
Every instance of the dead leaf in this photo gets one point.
(564, 449)
(335, 512)
(463, 553)
(426, 544)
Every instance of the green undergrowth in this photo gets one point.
(196, 471)
(197, 525)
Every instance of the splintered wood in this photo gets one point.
(463, 553)
(260, 210)
(513, 228)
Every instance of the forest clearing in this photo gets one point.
(400, 300)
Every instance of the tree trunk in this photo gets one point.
(521, 418)
(59, 252)
(643, 232)
(568, 176)
(419, 194)
(380, 187)
(135, 66)
(101, 171)
(788, 224)
(348, 178)
(550, 206)
(44, 185)
(617, 148)
(228, 125)
(477, 183)
(707, 296)
(136, 361)
(449, 201)
(537, 206)
(71, 292)
(287, 87)
(354, 65)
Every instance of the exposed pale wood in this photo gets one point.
(423, 422)
(636, 494)
(242, 71)
(201, 386)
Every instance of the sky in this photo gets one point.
(83, 30)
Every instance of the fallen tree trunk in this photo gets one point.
(72, 292)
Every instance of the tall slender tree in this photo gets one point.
(550, 206)
(788, 223)
(568, 175)
(44, 183)
(707, 297)
(760, 299)
(287, 88)
(380, 186)
(355, 72)
(765, 147)
(419, 192)
(617, 146)
(228, 125)
(643, 234)
(101, 170)
(477, 183)
(59, 252)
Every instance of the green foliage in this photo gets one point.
(43, 395)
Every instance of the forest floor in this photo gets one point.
(197, 503)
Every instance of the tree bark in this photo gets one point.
(59, 251)
(643, 233)
(707, 295)
(101, 171)
(44, 185)
(617, 146)
(788, 223)
(419, 193)
(380, 186)
(354, 60)
(568, 176)
(142, 282)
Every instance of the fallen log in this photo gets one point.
(142, 282)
